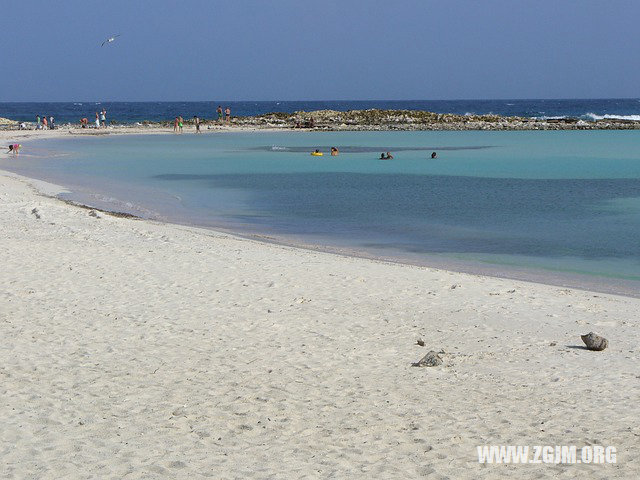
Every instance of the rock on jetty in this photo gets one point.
(5, 122)
(374, 119)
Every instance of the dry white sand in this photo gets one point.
(131, 349)
(8, 136)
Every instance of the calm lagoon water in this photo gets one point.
(543, 205)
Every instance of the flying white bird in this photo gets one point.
(109, 40)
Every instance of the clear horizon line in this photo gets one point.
(324, 100)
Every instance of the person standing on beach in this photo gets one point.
(52, 125)
(37, 122)
(196, 120)
(175, 125)
(44, 122)
(180, 122)
(227, 113)
(103, 118)
(97, 120)
(219, 111)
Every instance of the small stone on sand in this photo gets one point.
(595, 342)
(431, 359)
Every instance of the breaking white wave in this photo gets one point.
(593, 116)
(590, 117)
(551, 117)
(278, 148)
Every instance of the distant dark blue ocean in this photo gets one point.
(129, 112)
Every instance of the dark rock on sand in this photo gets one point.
(595, 342)
(431, 359)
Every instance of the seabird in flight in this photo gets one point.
(109, 40)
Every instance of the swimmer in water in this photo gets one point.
(389, 156)
(434, 155)
(334, 152)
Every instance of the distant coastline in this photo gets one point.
(545, 114)
(362, 120)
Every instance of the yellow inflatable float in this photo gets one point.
(317, 153)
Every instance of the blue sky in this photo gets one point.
(318, 50)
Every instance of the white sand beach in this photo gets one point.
(12, 135)
(319, 240)
(133, 349)
(8, 136)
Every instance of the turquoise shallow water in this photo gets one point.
(557, 202)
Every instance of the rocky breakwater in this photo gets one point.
(5, 122)
(374, 119)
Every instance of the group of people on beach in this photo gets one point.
(178, 123)
(44, 124)
(223, 116)
(226, 112)
(100, 121)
